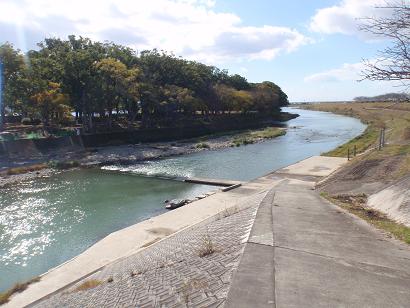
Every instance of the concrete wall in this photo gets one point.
(165, 134)
(36, 147)
(394, 201)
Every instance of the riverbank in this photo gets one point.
(124, 244)
(276, 234)
(75, 209)
(374, 168)
(132, 153)
(375, 184)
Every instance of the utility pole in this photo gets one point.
(2, 110)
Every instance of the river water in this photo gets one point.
(45, 222)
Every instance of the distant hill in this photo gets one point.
(392, 97)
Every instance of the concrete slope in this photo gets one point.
(320, 256)
(128, 241)
(394, 201)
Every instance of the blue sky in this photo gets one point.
(312, 49)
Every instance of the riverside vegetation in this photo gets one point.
(112, 87)
(394, 118)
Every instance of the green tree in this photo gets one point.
(12, 63)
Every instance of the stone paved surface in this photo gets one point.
(170, 273)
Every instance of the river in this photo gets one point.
(45, 222)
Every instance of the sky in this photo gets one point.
(311, 48)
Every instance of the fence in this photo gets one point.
(381, 144)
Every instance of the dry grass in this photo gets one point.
(26, 169)
(191, 286)
(17, 288)
(356, 204)
(87, 285)
(207, 247)
(230, 211)
(139, 272)
(395, 118)
(151, 242)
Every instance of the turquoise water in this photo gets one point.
(47, 221)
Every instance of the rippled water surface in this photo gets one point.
(47, 221)
(310, 134)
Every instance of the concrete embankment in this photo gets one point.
(304, 251)
(394, 201)
(130, 240)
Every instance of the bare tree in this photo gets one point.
(392, 63)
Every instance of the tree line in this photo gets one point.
(102, 81)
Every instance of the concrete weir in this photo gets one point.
(213, 182)
(301, 251)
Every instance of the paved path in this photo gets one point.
(306, 252)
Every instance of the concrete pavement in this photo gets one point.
(320, 256)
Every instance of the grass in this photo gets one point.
(250, 137)
(396, 121)
(25, 169)
(207, 247)
(202, 145)
(17, 288)
(357, 205)
(33, 135)
(363, 142)
(191, 286)
(63, 165)
(87, 285)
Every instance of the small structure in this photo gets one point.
(175, 203)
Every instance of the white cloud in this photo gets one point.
(187, 27)
(345, 17)
(348, 71)
(252, 43)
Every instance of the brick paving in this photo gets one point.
(170, 273)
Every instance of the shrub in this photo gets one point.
(202, 145)
(64, 164)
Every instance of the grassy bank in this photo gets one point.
(250, 137)
(373, 169)
(238, 138)
(394, 118)
(357, 206)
